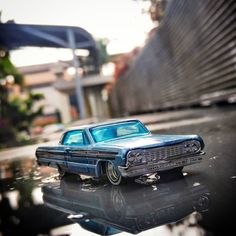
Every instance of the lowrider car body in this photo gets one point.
(120, 150)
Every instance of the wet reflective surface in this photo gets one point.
(131, 208)
(201, 201)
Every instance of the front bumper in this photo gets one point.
(147, 168)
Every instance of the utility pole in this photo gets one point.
(79, 90)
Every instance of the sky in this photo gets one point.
(121, 21)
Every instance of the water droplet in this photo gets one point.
(154, 187)
(214, 158)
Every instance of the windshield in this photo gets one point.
(120, 130)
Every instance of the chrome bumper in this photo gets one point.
(132, 171)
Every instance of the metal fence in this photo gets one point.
(190, 60)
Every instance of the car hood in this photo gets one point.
(148, 141)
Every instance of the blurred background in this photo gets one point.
(143, 57)
(44, 74)
(169, 63)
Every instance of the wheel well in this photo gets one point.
(102, 167)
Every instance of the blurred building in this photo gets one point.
(40, 79)
(56, 82)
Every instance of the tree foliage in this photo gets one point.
(22, 112)
(16, 113)
(7, 68)
(102, 50)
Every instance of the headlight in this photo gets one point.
(191, 146)
(131, 157)
(136, 157)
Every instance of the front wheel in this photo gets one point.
(113, 174)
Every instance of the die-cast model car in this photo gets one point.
(120, 150)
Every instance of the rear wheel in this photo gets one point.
(174, 170)
(61, 172)
(171, 174)
(178, 169)
(113, 174)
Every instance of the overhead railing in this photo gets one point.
(13, 36)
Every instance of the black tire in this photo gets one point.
(169, 175)
(174, 170)
(113, 174)
(178, 169)
(62, 173)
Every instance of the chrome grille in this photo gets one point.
(155, 154)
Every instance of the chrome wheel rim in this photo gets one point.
(113, 175)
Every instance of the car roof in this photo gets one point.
(86, 127)
(101, 124)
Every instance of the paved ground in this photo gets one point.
(217, 171)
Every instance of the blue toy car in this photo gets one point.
(120, 150)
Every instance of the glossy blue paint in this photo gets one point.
(149, 140)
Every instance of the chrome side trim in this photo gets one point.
(109, 155)
(94, 154)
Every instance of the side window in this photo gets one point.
(75, 138)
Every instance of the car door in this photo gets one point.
(75, 152)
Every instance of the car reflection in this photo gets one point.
(106, 209)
